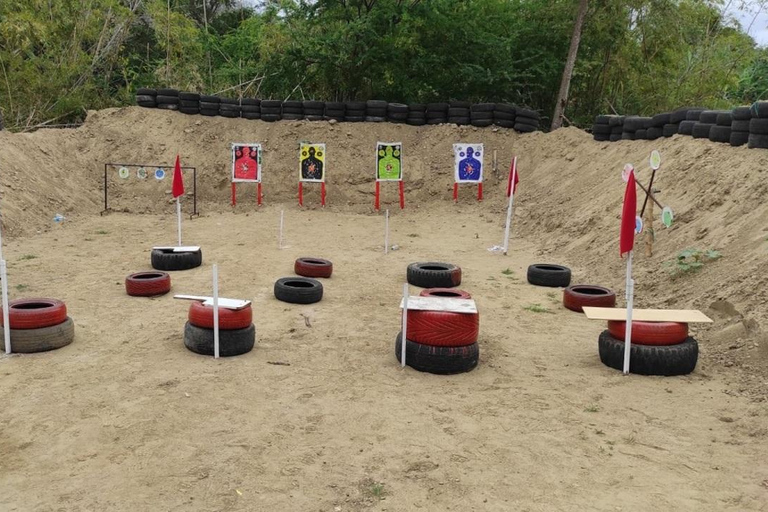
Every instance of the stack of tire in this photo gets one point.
(293, 110)
(617, 127)
(38, 325)
(397, 113)
(440, 342)
(526, 120)
(210, 105)
(271, 110)
(721, 132)
(458, 112)
(691, 118)
(657, 348)
(375, 111)
(481, 114)
(740, 126)
(354, 111)
(306, 289)
(168, 260)
(147, 284)
(230, 107)
(670, 127)
(504, 115)
(237, 334)
(631, 125)
(707, 119)
(146, 97)
(250, 108)
(417, 114)
(334, 110)
(167, 99)
(313, 110)
(189, 103)
(437, 113)
(642, 133)
(758, 125)
(601, 130)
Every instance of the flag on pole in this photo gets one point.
(513, 176)
(178, 179)
(628, 214)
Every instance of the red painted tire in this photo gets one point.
(579, 295)
(147, 284)
(35, 313)
(443, 328)
(650, 333)
(445, 292)
(313, 267)
(229, 319)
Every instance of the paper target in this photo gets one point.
(123, 172)
(159, 174)
(141, 173)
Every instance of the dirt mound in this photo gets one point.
(569, 202)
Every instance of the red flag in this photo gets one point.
(178, 179)
(512, 188)
(628, 214)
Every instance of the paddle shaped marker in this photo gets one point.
(655, 160)
(638, 225)
(667, 216)
(628, 168)
(123, 172)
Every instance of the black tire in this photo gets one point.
(505, 116)
(459, 104)
(545, 274)
(741, 114)
(249, 109)
(437, 360)
(397, 116)
(231, 114)
(641, 134)
(678, 116)
(481, 116)
(189, 103)
(627, 135)
(354, 119)
(209, 112)
(399, 108)
(738, 138)
(757, 141)
(334, 105)
(293, 105)
(251, 102)
(701, 130)
(524, 128)
(601, 138)
(338, 119)
(602, 120)
(669, 130)
(758, 126)
(724, 119)
(666, 360)
(144, 91)
(251, 116)
(146, 98)
(189, 96)
(189, 111)
(504, 123)
(526, 112)
(313, 117)
(272, 104)
(210, 99)
(167, 100)
(459, 120)
(709, 116)
(437, 107)
(720, 134)
(167, 106)
(437, 120)
(686, 127)
(759, 109)
(659, 120)
(168, 92)
(375, 119)
(601, 129)
(232, 342)
(29, 341)
(632, 124)
(505, 108)
(616, 121)
(481, 123)
(204, 105)
(147, 104)
(615, 137)
(693, 114)
(270, 118)
(421, 122)
(483, 107)
(355, 105)
(378, 104)
(313, 105)
(293, 117)
(432, 274)
(298, 290)
(377, 112)
(653, 133)
(740, 126)
(458, 112)
(166, 259)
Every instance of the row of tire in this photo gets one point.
(742, 125)
(375, 111)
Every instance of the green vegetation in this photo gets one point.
(21, 287)
(61, 57)
(102, 232)
(508, 272)
(690, 261)
(28, 257)
(537, 308)
(592, 408)
(377, 490)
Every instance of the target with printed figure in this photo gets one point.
(312, 162)
(389, 161)
(246, 162)
(468, 163)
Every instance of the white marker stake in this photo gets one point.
(630, 299)
(405, 324)
(6, 323)
(509, 208)
(215, 311)
(178, 216)
(280, 236)
(386, 232)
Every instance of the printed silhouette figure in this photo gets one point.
(312, 167)
(469, 168)
(246, 165)
(389, 166)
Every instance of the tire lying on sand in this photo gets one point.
(679, 359)
(650, 333)
(445, 293)
(229, 319)
(35, 313)
(28, 341)
(443, 328)
(232, 342)
(147, 284)
(166, 259)
(577, 296)
(313, 267)
(438, 360)
(546, 274)
(434, 275)
(298, 290)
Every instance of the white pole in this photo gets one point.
(630, 299)
(386, 232)
(178, 215)
(215, 311)
(6, 322)
(280, 236)
(509, 207)
(405, 324)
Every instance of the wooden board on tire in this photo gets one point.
(690, 316)
(450, 304)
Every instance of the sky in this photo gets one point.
(759, 28)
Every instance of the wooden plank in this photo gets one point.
(188, 248)
(223, 303)
(440, 304)
(690, 316)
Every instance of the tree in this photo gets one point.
(570, 63)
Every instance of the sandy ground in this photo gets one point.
(126, 418)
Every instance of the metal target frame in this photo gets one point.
(107, 165)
